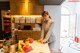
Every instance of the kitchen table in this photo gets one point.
(39, 47)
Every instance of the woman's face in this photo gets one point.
(45, 16)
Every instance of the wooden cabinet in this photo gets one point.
(24, 34)
(26, 7)
(25, 30)
(36, 35)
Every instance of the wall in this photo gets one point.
(55, 13)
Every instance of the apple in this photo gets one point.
(30, 40)
(27, 48)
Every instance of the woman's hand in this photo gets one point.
(40, 40)
(44, 41)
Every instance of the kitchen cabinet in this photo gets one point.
(26, 7)
(25, 30)
(36, 35)
(24, 34)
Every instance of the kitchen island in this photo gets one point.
(38, 47)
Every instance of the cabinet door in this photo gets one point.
(27, 34)
(36, 35)
(23, 34)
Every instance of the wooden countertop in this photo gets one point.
(39, 47)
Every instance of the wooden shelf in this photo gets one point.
(25, 33)
(7, 24)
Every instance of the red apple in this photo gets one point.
(27, 48)
(30, 40)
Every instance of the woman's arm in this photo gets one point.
(42, 33)
(49, 32)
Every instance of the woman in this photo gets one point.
(47, 34)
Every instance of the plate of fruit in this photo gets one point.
(24, 45)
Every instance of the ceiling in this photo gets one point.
(47, 2)
(51, 2)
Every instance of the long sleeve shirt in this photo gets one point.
(47, 27)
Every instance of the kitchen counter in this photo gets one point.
(39, 47)
(36, 46)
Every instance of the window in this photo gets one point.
(68, 21)
(67, 27)
(65, 11)
(65, 19)
(69, 15)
